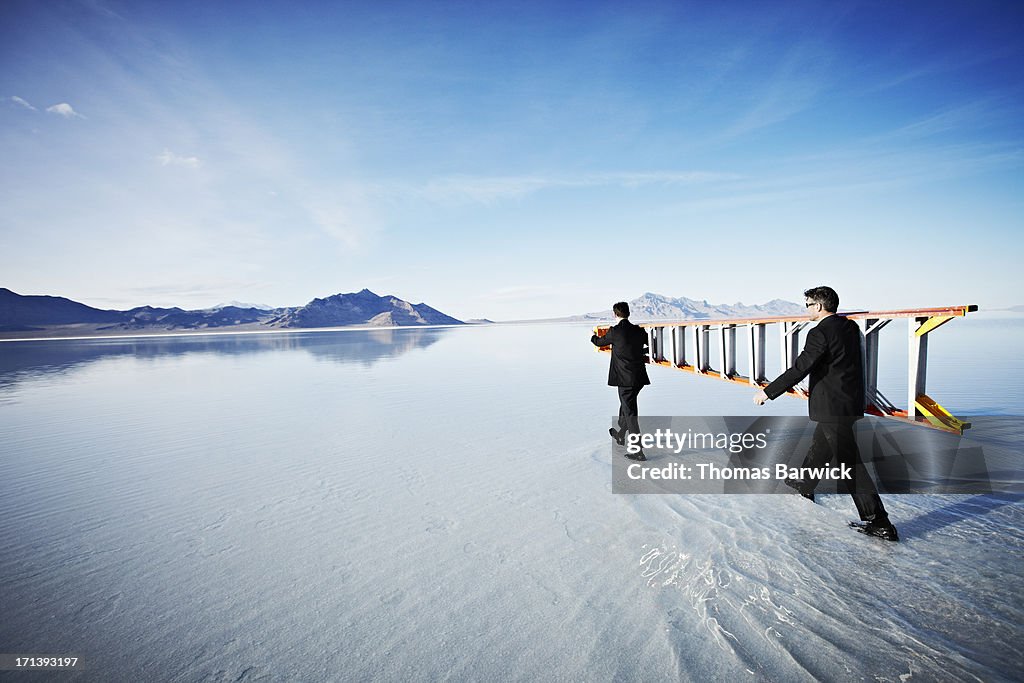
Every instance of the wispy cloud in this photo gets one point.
(488, 189)
(190, 295)
(793, 87)
(192, 289)
(169, 158)
(783, 83)
(23, 103)
(338, 222)
(519, 293)
(101, 8)
(957, 61)
(968, 117)
(64, 109)
(857, 170)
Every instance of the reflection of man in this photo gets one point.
(627, 371)
(832, 357)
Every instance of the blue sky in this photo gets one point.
(515, 160)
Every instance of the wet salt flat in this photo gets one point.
(436, 503)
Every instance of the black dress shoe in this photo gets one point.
(801, 487)
(620, 437)
(639, 457)
(884, 531)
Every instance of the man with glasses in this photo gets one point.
(832, 358)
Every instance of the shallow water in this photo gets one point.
(425, 503)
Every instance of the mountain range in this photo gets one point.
(54, 315)
(22, 316)
(652, 306)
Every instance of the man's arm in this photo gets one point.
(813, 351)
(607, 340)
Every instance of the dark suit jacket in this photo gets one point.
(629, 354)
(832, 356)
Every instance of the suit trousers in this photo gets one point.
(628, 411)
(836, 441)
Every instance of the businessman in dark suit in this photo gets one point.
(832, 358)
(627, 371)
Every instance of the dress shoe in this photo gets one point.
(802, 487)
(884, 531)
(639, 457)
(620, 437)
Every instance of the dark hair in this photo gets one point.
(826, 296)
(621, 309)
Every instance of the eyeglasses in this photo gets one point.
(812, 303)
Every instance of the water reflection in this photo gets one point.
(21, 361)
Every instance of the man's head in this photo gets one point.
(621, 310)
(821, 302)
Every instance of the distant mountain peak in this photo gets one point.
(240, 304)
(362, 308)
(652, 306)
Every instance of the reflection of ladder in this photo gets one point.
(687, 346)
